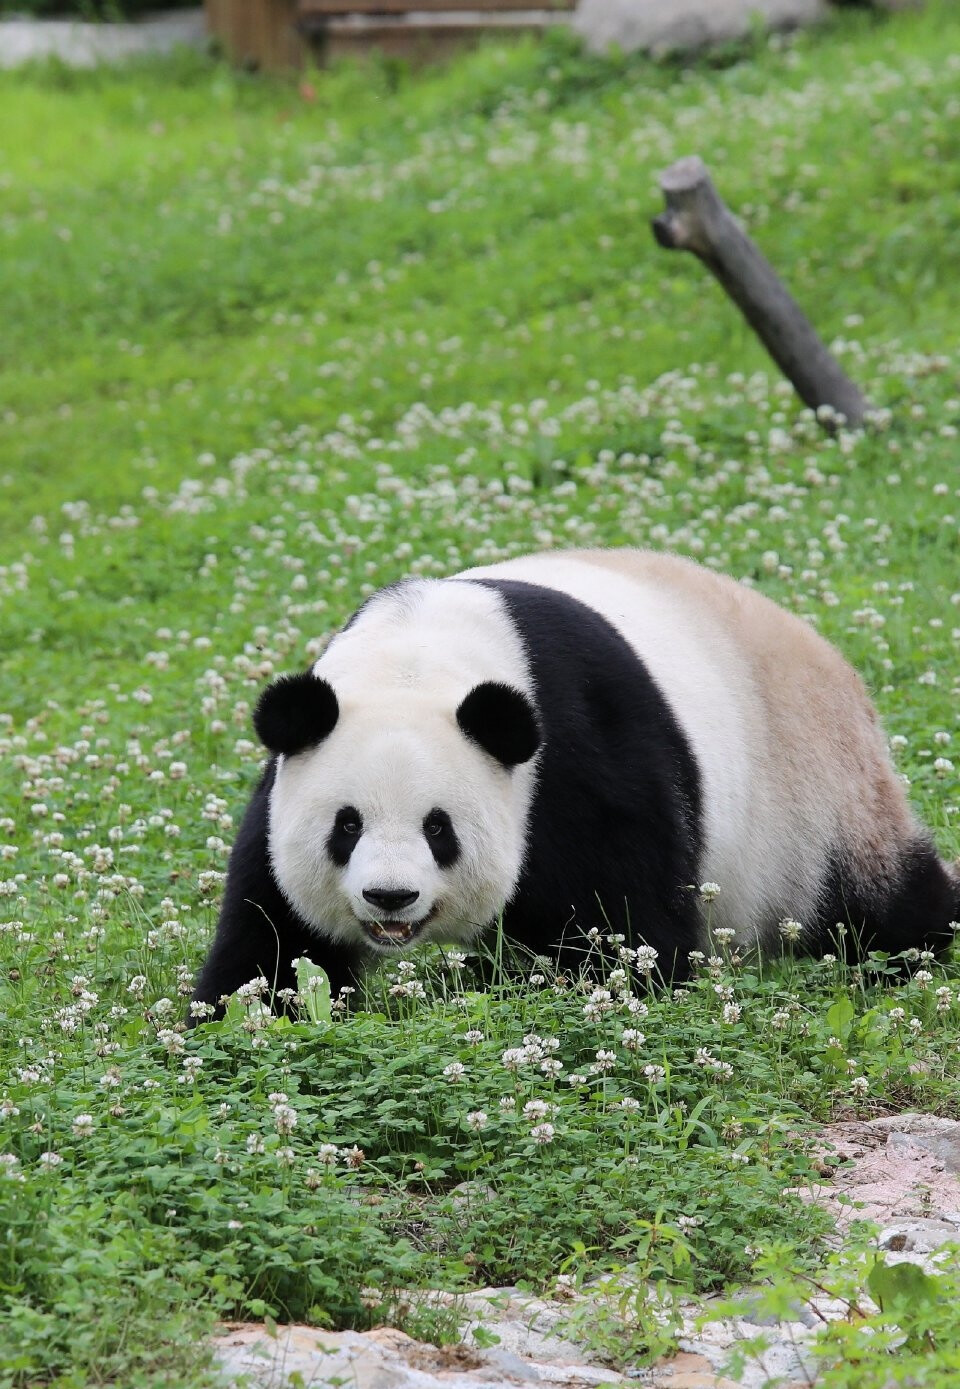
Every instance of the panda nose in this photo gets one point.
(389, 899)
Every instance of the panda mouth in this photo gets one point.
(396, 934)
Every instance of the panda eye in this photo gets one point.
(349, 821)
(442, 837)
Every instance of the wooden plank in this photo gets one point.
(424, 42)
(257, 33)
(374, 7)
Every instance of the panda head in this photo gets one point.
(401, 818)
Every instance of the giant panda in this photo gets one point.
(568, 741)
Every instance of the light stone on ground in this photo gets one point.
(84, 45)
(902, 1172)
(658, 27)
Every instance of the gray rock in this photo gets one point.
(666, 26)
(749, 1307)
(917, 1236)
(928, 1132)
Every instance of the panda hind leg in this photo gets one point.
(917, 909)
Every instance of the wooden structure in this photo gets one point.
(276, 34)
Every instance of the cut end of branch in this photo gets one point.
(684, 175)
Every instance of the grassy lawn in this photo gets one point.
(267, 346)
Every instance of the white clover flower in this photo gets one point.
(551, 1067)
(599, 1002)
(628, 1105)
(606, 1061)
(371, 1298)
(285, 1118)
(655, 1074)
(285, 1156)
(688, 1222)
(455, 1072)
(408, 988)
(631, 1039)
(535, 1110)
(473, 1037)
(922, 978)
(507, 1103)
(709, 891)
(477, 1120)
(171, 1041)
(255, 1144)
(83, 1126)
(455, 959)
(859, 1085)
(789, 929)
(542, 1133)
(49, 1160)
(513, 1058)
(646, 958)
(731, 1012)
(253, 989)
(354, 1157)
(327, 1153)
(633, 1006)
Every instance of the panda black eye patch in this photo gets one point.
(347, 829)
(442, 838)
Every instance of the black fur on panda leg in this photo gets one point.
(913, 912)
(258, 932)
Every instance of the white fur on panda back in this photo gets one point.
(701, 674)
(783, 734)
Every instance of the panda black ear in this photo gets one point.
(295, 712)
(502, 721)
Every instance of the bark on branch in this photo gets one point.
(696, 219)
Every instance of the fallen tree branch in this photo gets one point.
(696, 219)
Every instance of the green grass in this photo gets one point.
(268, 346)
